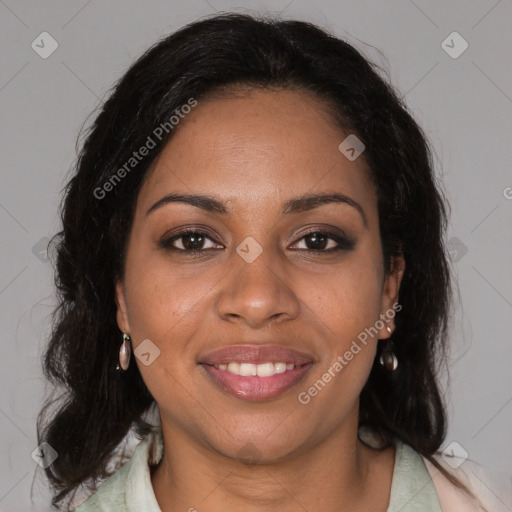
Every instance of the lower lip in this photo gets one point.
(256, 388)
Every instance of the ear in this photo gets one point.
(122, 310)
(390, 294)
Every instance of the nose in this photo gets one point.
(258, 293)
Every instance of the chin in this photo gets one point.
(259, 446)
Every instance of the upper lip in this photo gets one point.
(255, 354)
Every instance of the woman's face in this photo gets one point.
(261, 284)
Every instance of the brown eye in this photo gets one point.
(190, 241)
(325, 241)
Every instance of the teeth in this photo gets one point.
(234, 368)
(247, 370)
(261, 370)
(266, 369)
(280, 367)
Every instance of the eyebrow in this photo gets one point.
(291, 206)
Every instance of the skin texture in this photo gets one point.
(254, 152)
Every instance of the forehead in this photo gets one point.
(256, 148)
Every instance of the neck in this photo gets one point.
(339, 473)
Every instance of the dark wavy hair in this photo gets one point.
(100, 406)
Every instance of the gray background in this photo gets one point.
(464, 105)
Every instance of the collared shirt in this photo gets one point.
(129, 489)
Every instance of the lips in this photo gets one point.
(222, 367)
(255, 354)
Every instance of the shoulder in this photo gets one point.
(492, 492)
(418, 482)
(111, 493)
(130, 483)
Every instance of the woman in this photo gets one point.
(253, 244)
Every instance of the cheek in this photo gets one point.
(164, 310)
(349, 306)
(349, 309)
(163, 298)
(167, 311)
(348, 300)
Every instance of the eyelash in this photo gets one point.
(343, 243)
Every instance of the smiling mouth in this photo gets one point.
(257, 371)
(255, 387)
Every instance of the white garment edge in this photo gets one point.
(493, 491)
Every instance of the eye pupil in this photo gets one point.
(192, 240)
(318, 240)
